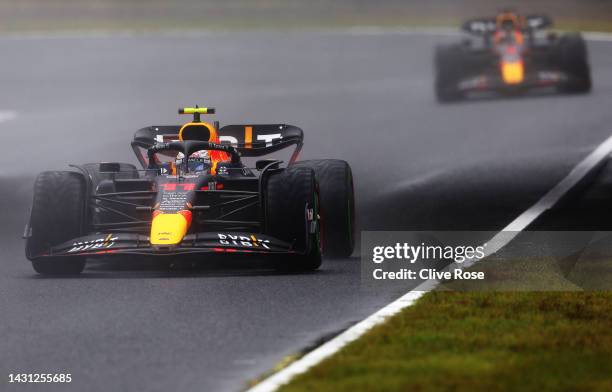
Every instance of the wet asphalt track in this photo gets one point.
(364, 98)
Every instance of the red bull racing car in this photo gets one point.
(194, 196)
(509, 53)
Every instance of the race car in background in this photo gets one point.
(194, 197)
(509, 53)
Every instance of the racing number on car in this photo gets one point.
(172, 187)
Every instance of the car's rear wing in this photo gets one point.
(486, 26)
(251, 140)
(537, 22)
(479, 26)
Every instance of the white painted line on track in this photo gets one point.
(445, 31)
(200, 33)
(501, 239)
(7, 115)
(103, 34)
(597, 36)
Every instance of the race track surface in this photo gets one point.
(365, 98)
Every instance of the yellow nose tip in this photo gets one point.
(513, 73)
(168, 229)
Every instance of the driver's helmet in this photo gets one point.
(508, 21)
(198, 162)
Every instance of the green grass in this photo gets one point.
(590, 273)
(452, 341)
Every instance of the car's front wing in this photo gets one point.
(494, 81)
(107, 244)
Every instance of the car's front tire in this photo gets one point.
(57, 216)
(335, 180)
(291, 200)
(448, 63)
(574, 62)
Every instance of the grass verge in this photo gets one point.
(479, 341)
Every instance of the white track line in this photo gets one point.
(7, 115)
(501, 239)
(597, 36)
(200, 33)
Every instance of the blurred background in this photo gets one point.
(19, 15)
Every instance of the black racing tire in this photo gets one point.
(57, 216)
(574, 62)
(335, 179)
(287, 195)
(448, 63)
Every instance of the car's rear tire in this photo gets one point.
(288, 194)
(335, 180)
(57, 216)
(574, 62)
(448, 60)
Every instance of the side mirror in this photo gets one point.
(262, 164)
(110, 167)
